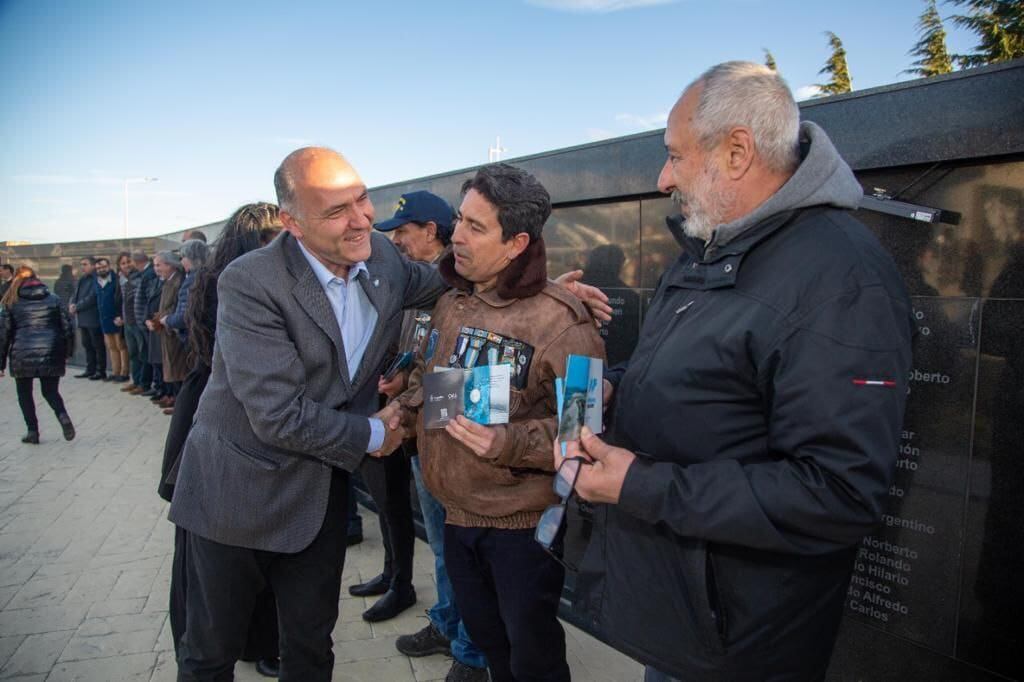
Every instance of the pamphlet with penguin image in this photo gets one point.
(481, 394)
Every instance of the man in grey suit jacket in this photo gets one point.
(303, 326)
(302, 329)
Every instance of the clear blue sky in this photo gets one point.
(209, 96)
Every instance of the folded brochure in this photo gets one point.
(581, 398)
(481, 394)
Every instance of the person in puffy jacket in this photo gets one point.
(37, 336)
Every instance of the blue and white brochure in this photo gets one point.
(582, 400)
(481, 394)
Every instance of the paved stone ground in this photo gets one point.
(85, 558)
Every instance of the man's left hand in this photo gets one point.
(603, 481)
(592, 297)
(476, 437)
(393, 388)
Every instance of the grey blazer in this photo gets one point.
(280, 408)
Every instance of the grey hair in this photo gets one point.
(169, 257)
(284, 186)
(752, 95)
(139, 255)
(196, 251)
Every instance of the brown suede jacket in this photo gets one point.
(510, 486)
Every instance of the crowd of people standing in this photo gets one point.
(130, 318)
(751, 436)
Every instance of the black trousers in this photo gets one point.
(28, 405)
(158, 377)
(95, 349)
(224, 585)
(388, 479)
(507, 589)
(261, 638)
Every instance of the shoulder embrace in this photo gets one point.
(573, 309)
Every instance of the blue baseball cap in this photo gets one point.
(421, 207)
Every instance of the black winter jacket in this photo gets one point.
(64, 288)
(763, 457)
(36, 332)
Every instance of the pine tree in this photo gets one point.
(933, 57)
(837, 68)
(769, 59)
(1000, 25)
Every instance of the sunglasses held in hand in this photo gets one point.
(551, 528)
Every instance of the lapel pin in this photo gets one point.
(376, 282)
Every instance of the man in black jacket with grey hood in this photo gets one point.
(753, 433)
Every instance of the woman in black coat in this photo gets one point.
(37, 335)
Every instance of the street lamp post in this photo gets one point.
(127, 181)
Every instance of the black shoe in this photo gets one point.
(460, 672)
(69, 428)
(353, 539)
(98, 377)
(269, 667)
(149, 393)
(390, 605)
(84, 375)
(427, 641)
(110, 377)
(378, 585)
(121, 379)
(31, 437)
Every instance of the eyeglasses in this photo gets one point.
(551, 527)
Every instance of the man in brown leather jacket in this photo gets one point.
(495, 481)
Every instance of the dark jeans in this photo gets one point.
(28, 404)
(507, 589)
(135, 337)
(388, 479)
(224, 584)
(261, 639)
(95, 350)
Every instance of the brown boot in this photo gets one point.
(127, 388)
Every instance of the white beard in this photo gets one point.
(705, 205)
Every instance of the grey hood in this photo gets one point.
(821, 179)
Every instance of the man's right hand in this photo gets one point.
(394, 432)
(72, 308)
